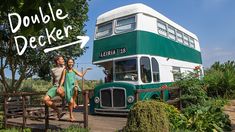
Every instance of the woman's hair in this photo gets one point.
(70, 59)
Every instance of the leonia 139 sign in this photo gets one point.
(112, 52)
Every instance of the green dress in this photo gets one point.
(69, 84)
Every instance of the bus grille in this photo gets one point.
(106, 98)
(113, 97)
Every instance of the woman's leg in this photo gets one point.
(75, 95)
(71, 104)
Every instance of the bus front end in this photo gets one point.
(113, 98)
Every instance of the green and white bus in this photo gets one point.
(139, 48)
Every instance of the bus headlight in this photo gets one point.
(97, 100)
(130, 99)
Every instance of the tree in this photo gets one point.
(35, 61)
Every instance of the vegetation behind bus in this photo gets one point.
(203, 111)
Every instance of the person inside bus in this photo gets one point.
(108, 75)
(145, 74)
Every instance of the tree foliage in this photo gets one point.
(221, 80)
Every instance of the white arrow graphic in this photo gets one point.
(82, 39)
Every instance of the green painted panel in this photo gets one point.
(149, 95)
(150, 43)
(127, 41)
(142, 42)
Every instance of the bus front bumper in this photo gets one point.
(112, 111)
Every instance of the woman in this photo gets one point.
(70, 85)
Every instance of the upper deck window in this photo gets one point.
(186, 39)
(161, 28)
(191, 42)
(171, 32)
(104, 30)
(125, 24)
(179, 36)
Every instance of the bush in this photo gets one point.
(207, 117)
(203, 113)
(147, 116)
(193, 91)
(15, 130)
(220, 79)
(177, 120)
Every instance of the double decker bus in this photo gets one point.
(139, 48)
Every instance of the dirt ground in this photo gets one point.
(230, 110)
(96, 123)
(101, 123)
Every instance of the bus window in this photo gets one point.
(104, 30)
(191, 42)
(145, 70)
(108, 70)
(186, 41)
(176, 73)
(126, 70)
(161, 27)
(171, 32)
(155, 67)
(179, 36)
(125, 24)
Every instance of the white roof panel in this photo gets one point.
(135, 9)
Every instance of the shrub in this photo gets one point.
(220, 79)
(147, 116)
(207, 117)
(15, 130)
(193, 91)
(177, 120)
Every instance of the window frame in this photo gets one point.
(184, 40)
(169, 33)
(125, 59)
(150, 68)
(160, 28)
(174, 72)
(158, 68)
(177, 36)
(191, 44)
(123, 18)
(106, 23)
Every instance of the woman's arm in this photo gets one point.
(81, 74)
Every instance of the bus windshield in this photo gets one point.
(126, 70)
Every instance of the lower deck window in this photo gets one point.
(176, 73)
(155, 68)
(145, 70)
(126, 70)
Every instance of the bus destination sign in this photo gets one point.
(112, 52)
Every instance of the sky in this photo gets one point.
(213, 21)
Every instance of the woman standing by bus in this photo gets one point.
(70, 85)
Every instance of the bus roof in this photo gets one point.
(135, 9)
